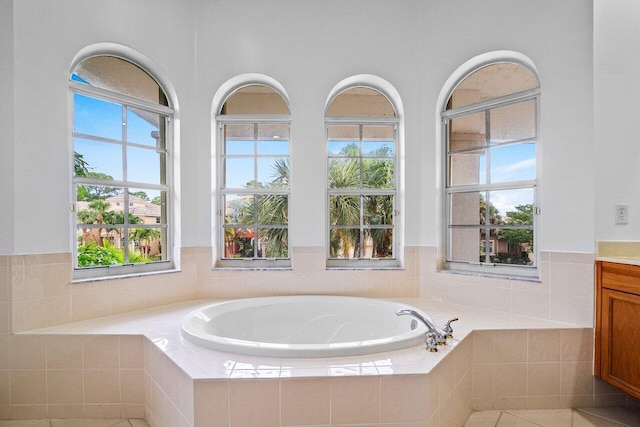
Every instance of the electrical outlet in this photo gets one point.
(622, 214)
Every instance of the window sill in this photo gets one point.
(502, 276)
(124, 276)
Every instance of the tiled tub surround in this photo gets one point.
(35, 290)
(508, 362)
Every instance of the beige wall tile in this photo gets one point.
(571, 279)
(543, 345)
(131, 352)
(483, 342)
(65, 386)
(5, 318)
(305, 401)
(4, 351)
(261, 396)
(509, 380)
(510, 346)
(47, 280)
(211, 403)
(90, 300)
(17, 317)
(5, 387)
(28, 412)
(355, 400)
(66, 411)
(577, 345)
(101, 386)
(482, 381)
(28, 352)
(404, 398)
(101, 352)
(126, 295)
(103, 410)
(64, 352)
(40, 313)
(535, 304)
(28, 386)
(462, 399)
(132, 386)
(576, 378)
(543, 379)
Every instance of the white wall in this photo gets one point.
(6, 124)
(308, 47)
(617, 113)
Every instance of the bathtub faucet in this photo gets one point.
(437, 335)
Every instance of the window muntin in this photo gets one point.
(491, 171)
(361, 180)
(121, 175)
(254, 179)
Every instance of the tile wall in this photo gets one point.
(54, 376)
(564, 293)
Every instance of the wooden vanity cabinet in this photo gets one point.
(617, 332)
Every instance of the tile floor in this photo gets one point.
(75, 423)
(588, 417)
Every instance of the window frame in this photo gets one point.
(484, 268)
(364, 263)
(81, 274)
(222, 190)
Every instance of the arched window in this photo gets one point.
(254, 169)
(122, 175)
(490, 138)
(362, 127)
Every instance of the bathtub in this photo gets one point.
(303, 326)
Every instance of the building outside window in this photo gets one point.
(122, 179)
(361, 127)
(254, 172)
(490, 164)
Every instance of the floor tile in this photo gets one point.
(625, 416)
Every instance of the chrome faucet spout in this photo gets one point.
(439, 335)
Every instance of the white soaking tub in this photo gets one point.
(303, 326)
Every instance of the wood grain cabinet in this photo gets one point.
(617, 332)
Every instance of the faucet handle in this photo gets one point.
(447, 329)
(431, 343)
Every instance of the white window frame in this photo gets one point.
(488, 268)
(248, 263)
(364, 263)
(81, 274)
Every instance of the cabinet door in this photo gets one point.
(620, 345)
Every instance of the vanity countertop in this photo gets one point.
(620, 252)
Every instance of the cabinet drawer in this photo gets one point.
(621, 277)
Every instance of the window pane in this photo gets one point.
(378, 243)
(377, 173)
(465, 244)
(514, 122)
(239, 140)
(273, 139)
(468, 208)
(272, 243)
(492, 81)
(239, 209)
(514, 246)
(273, 172)
(145, 245)
(273, 209)
(143, 127)
(144, 165)
(239, 173)
(85, 194)
(238, 242)
(100, 247)
(344, 140)
(96, 117)
(377, 140)
(146, 205)
(378, 210)
(344, 173)
(344, 243)
(468, 167)
(103, 160)
(467, 131)
(344, 210)
(512, 206)
(514, 162)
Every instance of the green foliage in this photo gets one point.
(523, 215)
(92, 255)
